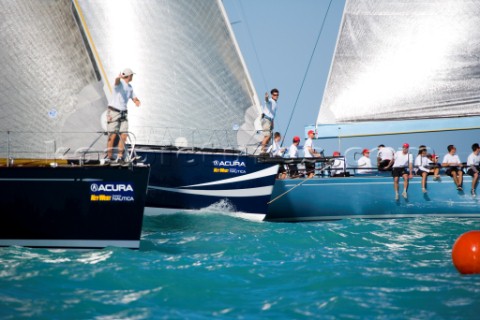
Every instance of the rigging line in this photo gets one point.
(306, 71)
(244, 17)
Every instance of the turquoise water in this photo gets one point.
(205, 265)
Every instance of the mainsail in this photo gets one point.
(190, 76)
(407, 59)
(50, 96)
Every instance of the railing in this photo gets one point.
(247, 141)
(324, 167)
(53, 148)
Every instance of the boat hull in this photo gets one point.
(197, 179)
(72, 206)
(368, 197)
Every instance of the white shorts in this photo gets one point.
(267, 127)
(116, 122)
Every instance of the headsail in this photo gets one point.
(49, 90)
(190, 75)
(405, 59)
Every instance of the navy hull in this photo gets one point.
(195, 179)
(72, 206)
(368, 197)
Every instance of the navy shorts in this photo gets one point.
(470, 172)
(398, 172)
(449, 170)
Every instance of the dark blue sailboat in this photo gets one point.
(56, 192)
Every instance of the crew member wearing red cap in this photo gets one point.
(364, 162)
(117, 122)
(310, 152)
(401, 161)
(293, 153)
(338, 166)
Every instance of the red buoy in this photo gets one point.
(466, 252)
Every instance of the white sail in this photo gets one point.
(407, 59)
(50, 97)
(190, 76)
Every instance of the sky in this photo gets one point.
(278, 41)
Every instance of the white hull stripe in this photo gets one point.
(250, 176)
(376, 216)
(233, 193)
(135, 244)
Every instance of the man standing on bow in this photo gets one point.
(117, 123)
(268, 114)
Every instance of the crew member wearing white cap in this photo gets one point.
(117, 122)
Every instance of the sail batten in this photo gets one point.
(404, 59)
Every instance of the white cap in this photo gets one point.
(127, 72)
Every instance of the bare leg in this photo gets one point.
(460, 178)
(111, 141)
(474, 180)
(265, 141)
(121, 145)
(424, 181)
(405, 185)
(454, 176)
(395, 185)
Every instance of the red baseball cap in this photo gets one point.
(365, 150)
(310, 132)
(296, 139)
(406, 145)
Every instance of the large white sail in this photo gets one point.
(50, 98)
(190, 77)
(407, 59)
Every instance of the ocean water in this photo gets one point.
(208, 264)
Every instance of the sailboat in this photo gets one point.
(198, 127)
(402, 72)
(56, 192)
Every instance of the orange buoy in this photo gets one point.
(466, 252)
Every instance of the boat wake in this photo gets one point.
(225, 207)
(222, 207)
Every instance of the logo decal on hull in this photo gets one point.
(227, 166)
(112, 192)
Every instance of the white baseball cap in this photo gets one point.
(127, 72)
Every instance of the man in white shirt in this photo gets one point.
(117, 122)
(401, 161)
(268, 114)
(454, 166)
(310, 152)
(277, 152)
(384, 156)
(425, 167)
(473, 164)
(338, 166)
(364, 162)
(293, 153)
